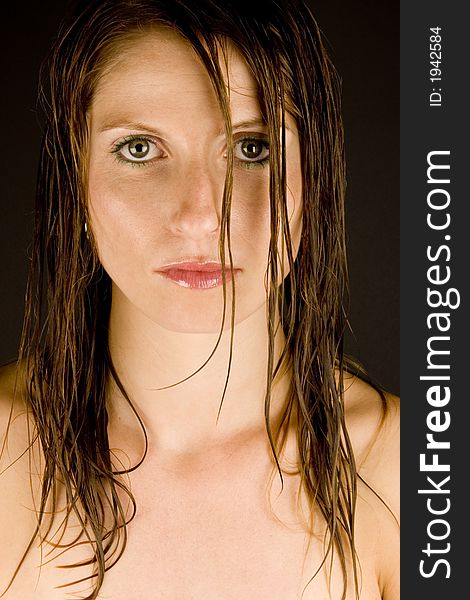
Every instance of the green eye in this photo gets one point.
(136, 149)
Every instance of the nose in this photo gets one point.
(197, 208)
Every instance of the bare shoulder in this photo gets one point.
(14, 425)
(17, 515)
(8, 375)
(373, 422)
(12, 404)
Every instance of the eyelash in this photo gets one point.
(255, 164)
(117, 147)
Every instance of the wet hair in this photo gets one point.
(64, 344)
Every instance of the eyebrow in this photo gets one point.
(122, 123)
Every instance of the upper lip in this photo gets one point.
(207, 266)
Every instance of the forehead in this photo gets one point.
(160, 63)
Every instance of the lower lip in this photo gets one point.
(196, 280)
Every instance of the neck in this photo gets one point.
(176, 380)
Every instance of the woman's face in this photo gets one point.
(157, 164)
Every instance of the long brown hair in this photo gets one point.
(64, 342)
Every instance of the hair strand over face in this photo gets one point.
(64, 343)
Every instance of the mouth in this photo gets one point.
(196, 275)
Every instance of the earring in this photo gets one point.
(85, 229)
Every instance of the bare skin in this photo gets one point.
(208, 525)
(204, 527)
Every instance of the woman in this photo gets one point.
(182, 422)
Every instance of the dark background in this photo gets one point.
(425, 129)
(363, 38)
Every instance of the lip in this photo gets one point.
(196, 275)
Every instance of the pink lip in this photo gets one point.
(196, 275)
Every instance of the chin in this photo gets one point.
(195, 323)
(202, 314)
(185, 311)
(204, 319)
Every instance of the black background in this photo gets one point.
(363, 38)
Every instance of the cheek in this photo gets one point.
(250, 214)
(119, 221)
(109, 219)
(294, 209)
(294, 201)
(123, 202)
